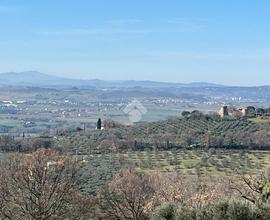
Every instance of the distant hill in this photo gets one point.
(34, 78)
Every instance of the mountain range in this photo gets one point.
(34, 78)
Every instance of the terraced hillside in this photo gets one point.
(202, 125)
(199, 132)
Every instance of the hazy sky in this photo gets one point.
(223, 41)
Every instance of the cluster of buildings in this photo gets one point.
(231, 111)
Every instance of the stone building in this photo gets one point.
(230, 111)
(223, 112)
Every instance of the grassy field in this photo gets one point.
(196, 162)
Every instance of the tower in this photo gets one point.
(223, 112)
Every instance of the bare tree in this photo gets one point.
(126, 196)
(80, 207)
(253, 188)
(186, 191)
(36, 186)
(168, 188)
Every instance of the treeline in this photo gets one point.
(253, 111)
(26, 145)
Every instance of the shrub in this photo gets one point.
(226, 210)
(166, 211)
(233, 211)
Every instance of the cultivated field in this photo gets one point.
(213, 162)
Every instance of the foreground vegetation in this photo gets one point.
(45, 185)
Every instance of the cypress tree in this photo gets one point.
(99, 124)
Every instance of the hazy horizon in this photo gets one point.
(125, 80)
(225, 42)
(80, 78)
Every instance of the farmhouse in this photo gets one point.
(231, 111)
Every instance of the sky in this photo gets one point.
(221, 41)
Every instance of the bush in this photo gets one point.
(166, 211)
(202, 213)
(263, 211)
(230, 210)
(234, 211)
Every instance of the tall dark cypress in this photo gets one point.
(99, 124)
